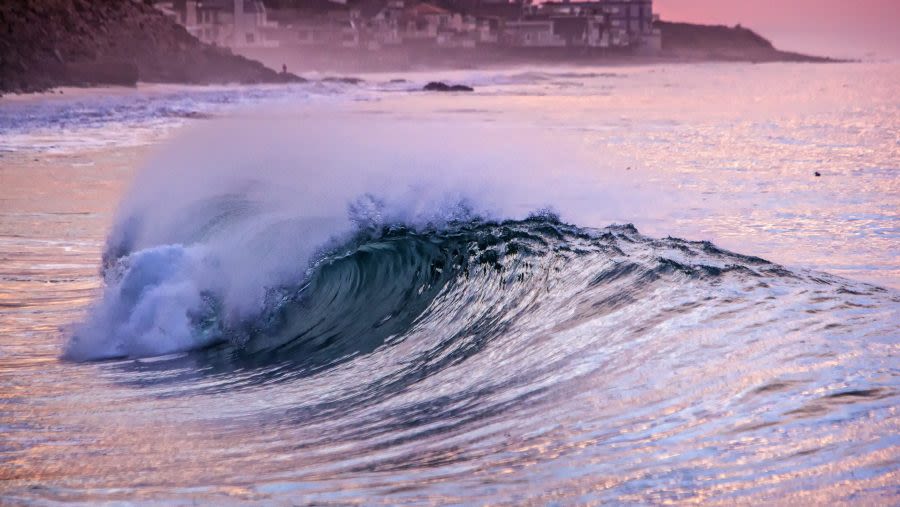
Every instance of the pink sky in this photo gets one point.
(849, 28)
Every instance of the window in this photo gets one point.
(250, 38)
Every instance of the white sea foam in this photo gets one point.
(240, 206)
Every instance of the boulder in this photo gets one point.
(439, 86)
(345, 80)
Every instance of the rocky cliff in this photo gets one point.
(48, 43)
(716, 42)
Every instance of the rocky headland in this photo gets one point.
(51, 43)
(689, 41)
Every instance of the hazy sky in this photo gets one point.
(853, 28)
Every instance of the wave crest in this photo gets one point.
(359, 293)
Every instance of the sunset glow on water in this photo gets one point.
(367, 294)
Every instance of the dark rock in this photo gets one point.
(345, 80)
(438, 86)
(817, 174)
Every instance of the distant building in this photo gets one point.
(601, 23)
(462, 24)
(531, 33)
(230, 23)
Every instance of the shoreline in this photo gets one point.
(415, 60)
(350, 73)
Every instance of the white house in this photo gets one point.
(531, 34)
(230, 23)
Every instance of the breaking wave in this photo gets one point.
(464, 274)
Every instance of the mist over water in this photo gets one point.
(240, 207)
(414, 298)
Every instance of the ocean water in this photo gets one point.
(628, 285)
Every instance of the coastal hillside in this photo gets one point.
(48, 43)
(680, 43)
(717, 42)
